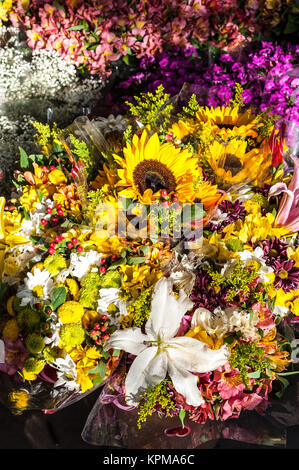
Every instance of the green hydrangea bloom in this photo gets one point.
(91, 281)
(111, 279)
(88, 298)
(34, 365)
(28, 316)
(34, 343)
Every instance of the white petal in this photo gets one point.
(186, 384)
(193, 355)
(146, 371)
(166, 310)
(131, 340)
(200, 316)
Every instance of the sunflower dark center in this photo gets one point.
(154, 175)
(226, 126)
(233, 164)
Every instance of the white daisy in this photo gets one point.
(37, 286)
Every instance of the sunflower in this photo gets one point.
(232, 165)
(149, 167)
(228, 121)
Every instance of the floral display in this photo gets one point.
(161, 246)
(267, 71)
(35, 86)
(99, 36)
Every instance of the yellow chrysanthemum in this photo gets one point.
(11, 330)
(255, 227)
(19, 399)
(73, 288)
(228, 121)
(233, 165)
(70, 312)
(138, 277)
(107, 246)
(148, 167)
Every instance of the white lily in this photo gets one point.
(159, 353)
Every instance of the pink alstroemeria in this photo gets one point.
(288, 212)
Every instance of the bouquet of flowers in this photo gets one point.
(163, 245)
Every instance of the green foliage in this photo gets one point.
(237, 100)
(152, 109)
(190, 110)
(159, 395)
(249, 359)
(140, 309)
(81, 150)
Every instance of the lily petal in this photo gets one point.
(193, 355)
(185, 383)
(146, 371)
(166, 310)
(131, 340)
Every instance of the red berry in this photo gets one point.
(43, 222)
(38, 305)
(97, 326)
(174, 199)
(98, 341)
(166, 203)
(79, 249)
(103, 260)
(45, 168)
(103, 269)
(52, 245)
(52, 168)
(51, 251)
(163, 193)
(114, 257)
(48, 310)
(60, 212)
(75, 240)
(179, 207)
(69, 245)
(103, 329)
(93, 332)
(104, 317)
(49, 210)
(54, 220)
(57, 239)
(105, 337)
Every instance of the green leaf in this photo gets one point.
(254, 375)
(182, 415)
(40, 195)
(24, 159)
(136, 260)
(58, 297)
(116, 352)
(97, 380)
(99, 369)
(284, 384)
